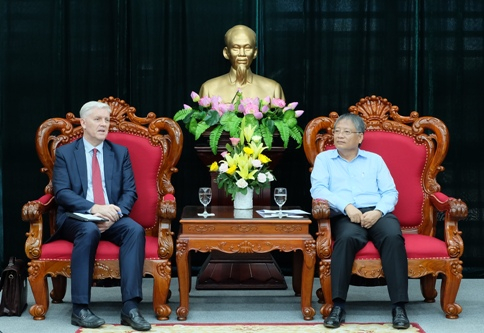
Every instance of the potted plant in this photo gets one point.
(243, 168)
(266, 116)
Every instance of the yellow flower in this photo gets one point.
(244, 171)
(231, 169)
(264, 159)
(257, 148)
(214, 167)
(248, 151)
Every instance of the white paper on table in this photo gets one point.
(295, 213)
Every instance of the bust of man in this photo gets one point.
(240, 49)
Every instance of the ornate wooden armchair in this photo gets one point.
(414, 148)
(155, 146)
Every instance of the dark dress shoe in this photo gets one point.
(400, 319)
(86, 319)
(335, 318)
(135, 320)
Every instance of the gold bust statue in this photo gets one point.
(240, 48)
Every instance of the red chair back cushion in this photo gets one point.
(406, 160)
(146, 160)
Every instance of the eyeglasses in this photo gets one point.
(344, 132)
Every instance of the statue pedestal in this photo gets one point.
(238, 271)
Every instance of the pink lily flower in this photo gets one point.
(223, 108)
(291, 106)
(195, 97)
(205, 101)
(299, 113)
(258, 115)
(234, 141)
(277, 102)
(249, 100)
(216, 100)
(253, 109)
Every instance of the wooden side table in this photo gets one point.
(229, 234)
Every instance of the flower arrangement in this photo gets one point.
(243, 165)
(264, 115)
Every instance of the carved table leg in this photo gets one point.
(307, 279)
(183, 278)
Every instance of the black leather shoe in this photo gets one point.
(335, 318)
(135, 320)
(86, 319)
(400, 319)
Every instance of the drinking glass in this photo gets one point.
(280, 197)
(205, 196)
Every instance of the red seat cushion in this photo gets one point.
(62, 250)
(417, 246)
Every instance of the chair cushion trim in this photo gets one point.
(417, 246)
(62, 250)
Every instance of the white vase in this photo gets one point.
(243, 213)
(244, 201)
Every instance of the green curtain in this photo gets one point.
(421, 55)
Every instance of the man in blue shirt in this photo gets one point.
(362, 195)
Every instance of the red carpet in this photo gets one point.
(257, 328)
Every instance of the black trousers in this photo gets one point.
(387, 237)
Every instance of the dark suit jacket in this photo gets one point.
(70, 179)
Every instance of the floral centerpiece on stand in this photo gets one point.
(243, 168)
(264, 115)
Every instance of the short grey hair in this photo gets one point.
(89, 106)
(356, 120)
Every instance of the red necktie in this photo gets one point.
(97, 183)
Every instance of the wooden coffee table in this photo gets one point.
(247, 234)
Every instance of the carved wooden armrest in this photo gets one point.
(455, 210)
(33, 212)
(166, 212)
(320, 211)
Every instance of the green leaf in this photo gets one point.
(201, 127)
(215, 137)
(289, 114)
(283, 131)
(296, 133)
(212, 118)
(182, 114)
(269, 123)
(229, 148)
(266, 135)
(251, 120)
(192, 126)
(231, 123)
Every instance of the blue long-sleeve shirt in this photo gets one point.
(363, 182)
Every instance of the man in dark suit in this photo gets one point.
(106, 191)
